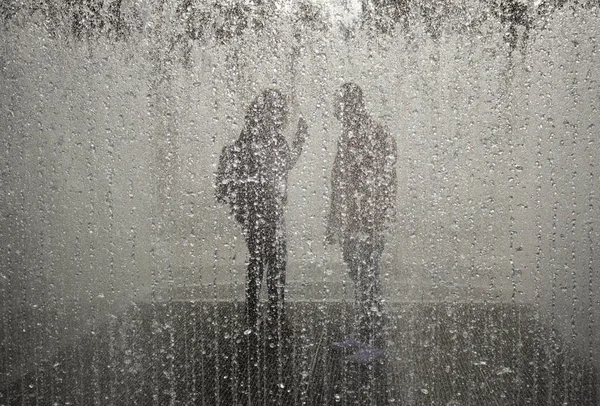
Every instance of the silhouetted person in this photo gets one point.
(252, 178)
(362, 205)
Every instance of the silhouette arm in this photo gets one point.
(334, 219)
(298, 143)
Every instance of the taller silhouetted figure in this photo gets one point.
(362, 206)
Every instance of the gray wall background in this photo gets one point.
(107, 171)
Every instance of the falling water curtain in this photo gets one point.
(122, 280)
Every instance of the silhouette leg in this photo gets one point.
(255, 243)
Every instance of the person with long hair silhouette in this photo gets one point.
(252, 178)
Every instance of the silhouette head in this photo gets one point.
(349, 102)
(268, 111)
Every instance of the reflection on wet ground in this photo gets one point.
(198, 352)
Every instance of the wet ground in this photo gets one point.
(199, 353)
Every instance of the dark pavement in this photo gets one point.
(199, 353)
